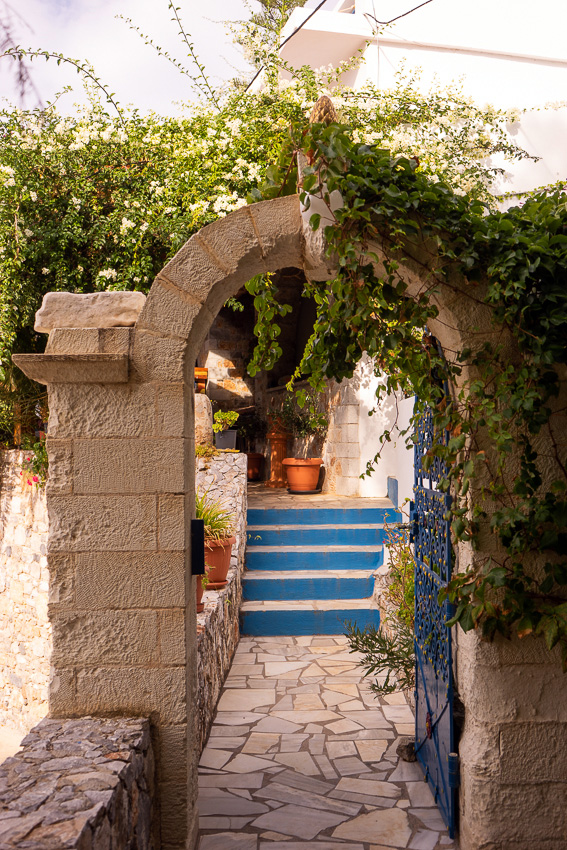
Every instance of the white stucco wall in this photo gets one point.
(396, 460)
(509, 54)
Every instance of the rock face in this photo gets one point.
(25, 630)
(203, 420)
(84, 783)
(97, 310)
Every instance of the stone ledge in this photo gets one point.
(74, 368)
(85, 783)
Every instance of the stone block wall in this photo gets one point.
(225, 477)
(86, 784)
(226, 353)
(25, 631)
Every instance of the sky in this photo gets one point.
(89, 29)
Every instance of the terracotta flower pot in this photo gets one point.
(201, 375)
(217, 561)
(277, 439)
(302, 473)
(255, 462)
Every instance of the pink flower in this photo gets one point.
(29, 482)
(21, 473)
(35, 479)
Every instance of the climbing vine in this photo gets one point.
(499, 432)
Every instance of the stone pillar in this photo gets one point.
(122, 598)
(513, 749)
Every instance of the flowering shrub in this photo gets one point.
(100, 201)
(35, 465)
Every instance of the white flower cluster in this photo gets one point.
(227, 203)
(125, 226)
(109, 274)
(8, 172)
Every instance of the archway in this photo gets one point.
(120, 500)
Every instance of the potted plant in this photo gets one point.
(253, 427)
(306, 420)
(225, 435)
(219, 538)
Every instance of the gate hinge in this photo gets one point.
(454, 770)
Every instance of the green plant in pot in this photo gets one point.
(225, 434)
(304, 420)
(219, 538)
(253, 427)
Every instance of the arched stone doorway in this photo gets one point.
(120, 500)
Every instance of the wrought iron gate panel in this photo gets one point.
(434, 740)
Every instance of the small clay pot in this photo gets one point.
(255, 463)
(201, 375)
(217, 561)
(302, 473)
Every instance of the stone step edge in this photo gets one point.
(307, 574)
(308, 527)
(367, 604)
(378, 547)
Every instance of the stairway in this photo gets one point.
(309, 569)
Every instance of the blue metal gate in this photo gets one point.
(434, 731)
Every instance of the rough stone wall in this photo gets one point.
(85, 784)
(341, 454)
(513, 792)
(226, 353)
(225, 477)
(25, 631)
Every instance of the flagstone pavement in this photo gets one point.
(302, 756)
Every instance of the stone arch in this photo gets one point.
(120, 498)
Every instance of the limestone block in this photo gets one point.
(60, 453)
(102, 411)
(172, 636)
(74, 368)
(170, 412)
(160, 692)
(109, 523)
(105, 637)
(157, 359)
(89, 341)
(105, 580)
(534, 752)
(346, 415)
(279, 228)
(95, 310)
(226, 252)
(173, 752)
(169, 310)
(140, 465)
(171, 523)
(203, 420)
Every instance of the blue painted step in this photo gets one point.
(337, 584)
(314, 558)
(322, 516)
(296, 618)
(311, 535)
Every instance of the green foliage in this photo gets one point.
(224, 419)
(219, 523)
(386, 652)
(298, 412)
(391, 648)
(514, 263)
(401, 591)
(35, 464)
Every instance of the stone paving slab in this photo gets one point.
(302, 756)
